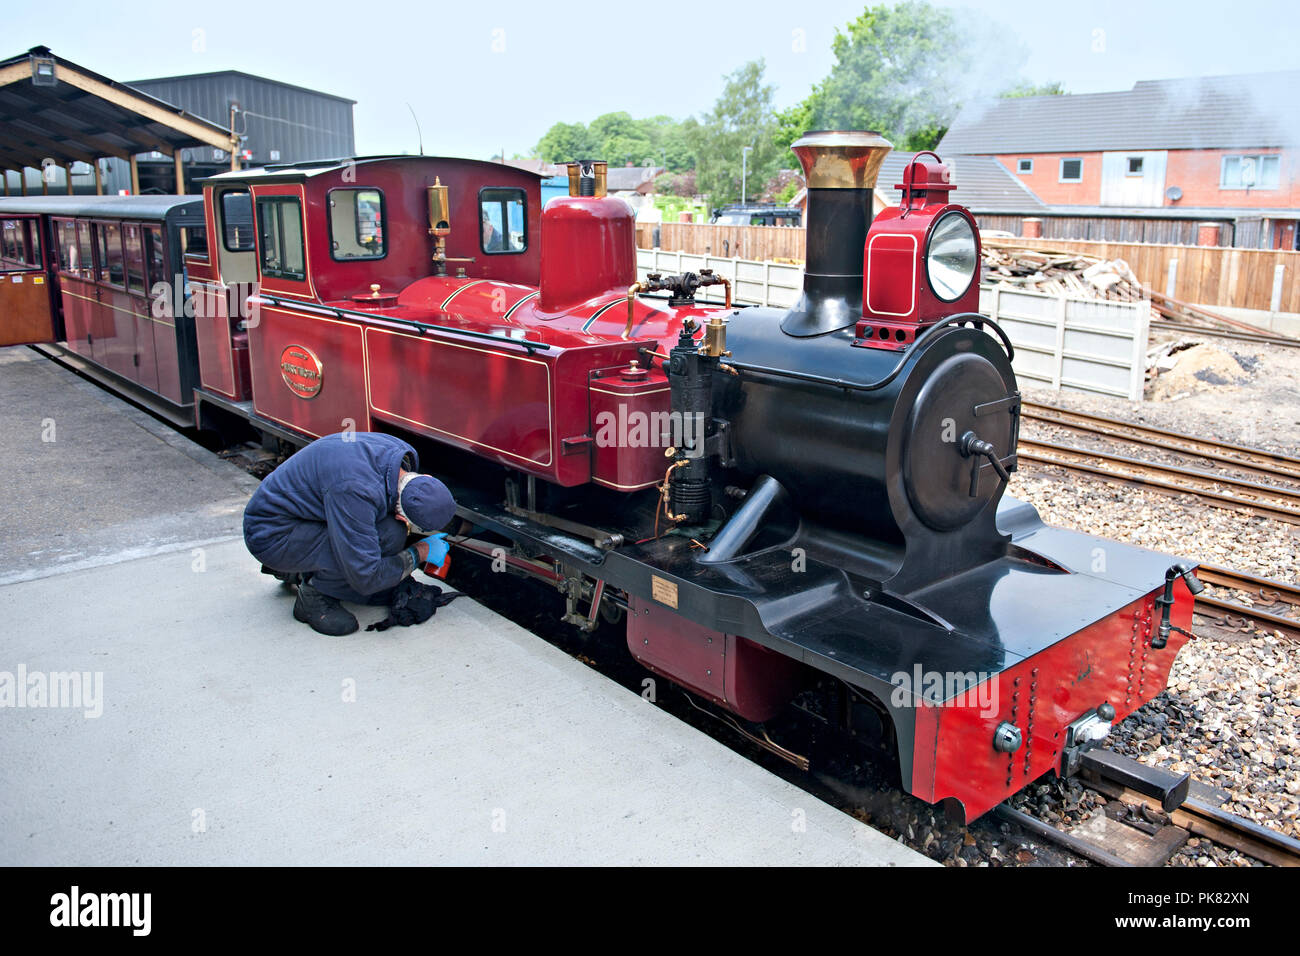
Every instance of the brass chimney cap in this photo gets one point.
(841, 159)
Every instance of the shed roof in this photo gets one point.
(983, 184)
(200, 77)
(77, 115)
(1243, 111)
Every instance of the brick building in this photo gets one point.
(1160, 162)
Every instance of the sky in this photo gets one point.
(482, 77)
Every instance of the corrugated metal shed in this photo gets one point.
(296, 123)
(1230, 112)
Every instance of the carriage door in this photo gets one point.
(26, 315)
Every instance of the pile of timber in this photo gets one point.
(1060, 272)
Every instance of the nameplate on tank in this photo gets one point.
(301, 371)
(663, 591)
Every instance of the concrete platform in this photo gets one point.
(216, 730)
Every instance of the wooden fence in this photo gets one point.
(1267, 279)
(760, 243)
(1207, 275)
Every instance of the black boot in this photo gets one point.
(322, 613)
(290, 579)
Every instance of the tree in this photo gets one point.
(1025, 88)
(565, 142)
(619, 139)
(742, 116)
(905, 70)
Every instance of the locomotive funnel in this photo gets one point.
(840, 167)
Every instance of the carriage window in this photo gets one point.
(34, 242)
(86, 269)
(65, 236)
(12, 246)
(194, 241)
(279, 223)
(237, 220)
(503, 223)
(134, 258)
(356, 224)
(153, 255)
(110, 253)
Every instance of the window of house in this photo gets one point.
(237, 220)
(1025, 166)
(356, 224)
(503, 221)
(1072, 170)
(1134, 166)
(1250, 172)
(111, 269)
(279, 223)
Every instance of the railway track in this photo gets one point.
(1181, 327)
(1257, 461)
(1223, 490)
(1275, 500)
(1274, 594)
(1194, 817)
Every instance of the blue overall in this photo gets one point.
(328, 512)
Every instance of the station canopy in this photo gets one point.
(51, 109)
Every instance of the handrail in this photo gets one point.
(420, 327)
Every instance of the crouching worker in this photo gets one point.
(334, 519)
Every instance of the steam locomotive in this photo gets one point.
(772, 499)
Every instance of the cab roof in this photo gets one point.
(301, 171)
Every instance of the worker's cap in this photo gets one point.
(426, 503)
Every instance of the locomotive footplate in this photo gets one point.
(1052, 613)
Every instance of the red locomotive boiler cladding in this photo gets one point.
(810, 500)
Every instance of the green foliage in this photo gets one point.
(1025, 88)
(671, 206)
(742, 116)
(565, 142)
(620, 139)
(904, 70)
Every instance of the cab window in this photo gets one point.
(279, 223)
(503, 221)
(356, 224)
(237, 220)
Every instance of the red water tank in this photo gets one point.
(588, 249)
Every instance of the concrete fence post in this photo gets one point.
(1275, 303)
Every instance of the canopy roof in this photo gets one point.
(51, 108)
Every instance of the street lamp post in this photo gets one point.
(744, 155)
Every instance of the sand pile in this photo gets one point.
(1195, 369)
